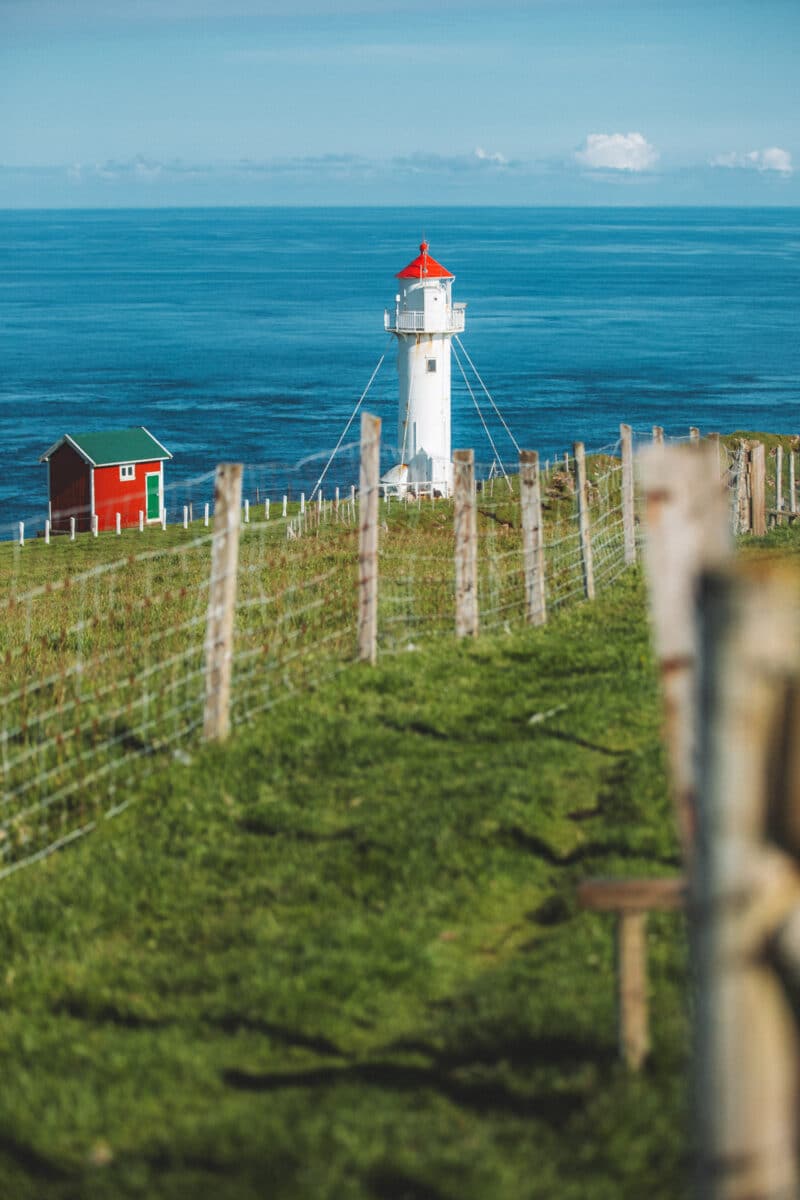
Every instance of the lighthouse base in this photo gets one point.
(422, 475)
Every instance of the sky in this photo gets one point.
(110, 103)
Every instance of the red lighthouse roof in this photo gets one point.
(424, 267)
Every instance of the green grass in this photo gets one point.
(341, 957)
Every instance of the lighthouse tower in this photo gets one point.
(424, 320)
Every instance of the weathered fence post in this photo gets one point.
(687, 529)
(779, 484)
(582, 491)
(95, 524)
(118, 524)
(792, 490)
(694, 435)
(628, 511)
(716, 470)
(141, 520)
(758, 490)
(466, 543)
(532, 537)
(72, 529)
(745, 902)
(742, 497)
(658, 435)
(47, 532)
(368, 538)
(222, 600)
(22, 533)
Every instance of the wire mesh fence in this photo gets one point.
(104, 638)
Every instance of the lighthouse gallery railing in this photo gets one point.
(413, 321)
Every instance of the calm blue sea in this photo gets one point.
(250, 334)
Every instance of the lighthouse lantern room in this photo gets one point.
(424, 320)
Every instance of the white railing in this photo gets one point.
(413, 321)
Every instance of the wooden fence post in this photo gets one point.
(716, 470)
(745, 902)
(792, 491)
(368, 538)
(687, 529)
(628, 511)
(742, 497)
(466, 543)
(532, 537)
(582, 491)
(694, 434)
(779, 484)
(658, 435)
(222, 600)
(758, 490)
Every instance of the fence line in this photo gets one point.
(122, 660)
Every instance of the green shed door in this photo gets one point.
(153, 497)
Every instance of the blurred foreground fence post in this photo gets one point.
(466, 543)
(687, 530)
(369, 481)
(222, 600)
(582, 490)
(628, 510)
(532, 537)
(745, 898)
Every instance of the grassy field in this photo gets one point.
(342, 957)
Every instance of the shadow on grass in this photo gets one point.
(484, 1095)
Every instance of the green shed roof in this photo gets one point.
(107, 447)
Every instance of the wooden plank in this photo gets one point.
(628, 495)
(466, 543)
(758, 490)
(745, 902)
(222, 601)
(633, 895)
(687, 528)
(584, 530)
(532, 537)
(369, 478)
(792, 488)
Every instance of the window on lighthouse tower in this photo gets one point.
(430, 366)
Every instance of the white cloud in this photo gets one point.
(617, 152)
(771, 159)
(498, 159)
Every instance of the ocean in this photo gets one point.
(249, 334)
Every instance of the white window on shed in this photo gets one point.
(127, 471)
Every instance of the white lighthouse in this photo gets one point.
(424, 320)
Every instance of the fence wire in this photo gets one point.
(102, 638)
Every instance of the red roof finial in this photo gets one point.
(424, 265)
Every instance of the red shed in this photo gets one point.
(108, 472)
